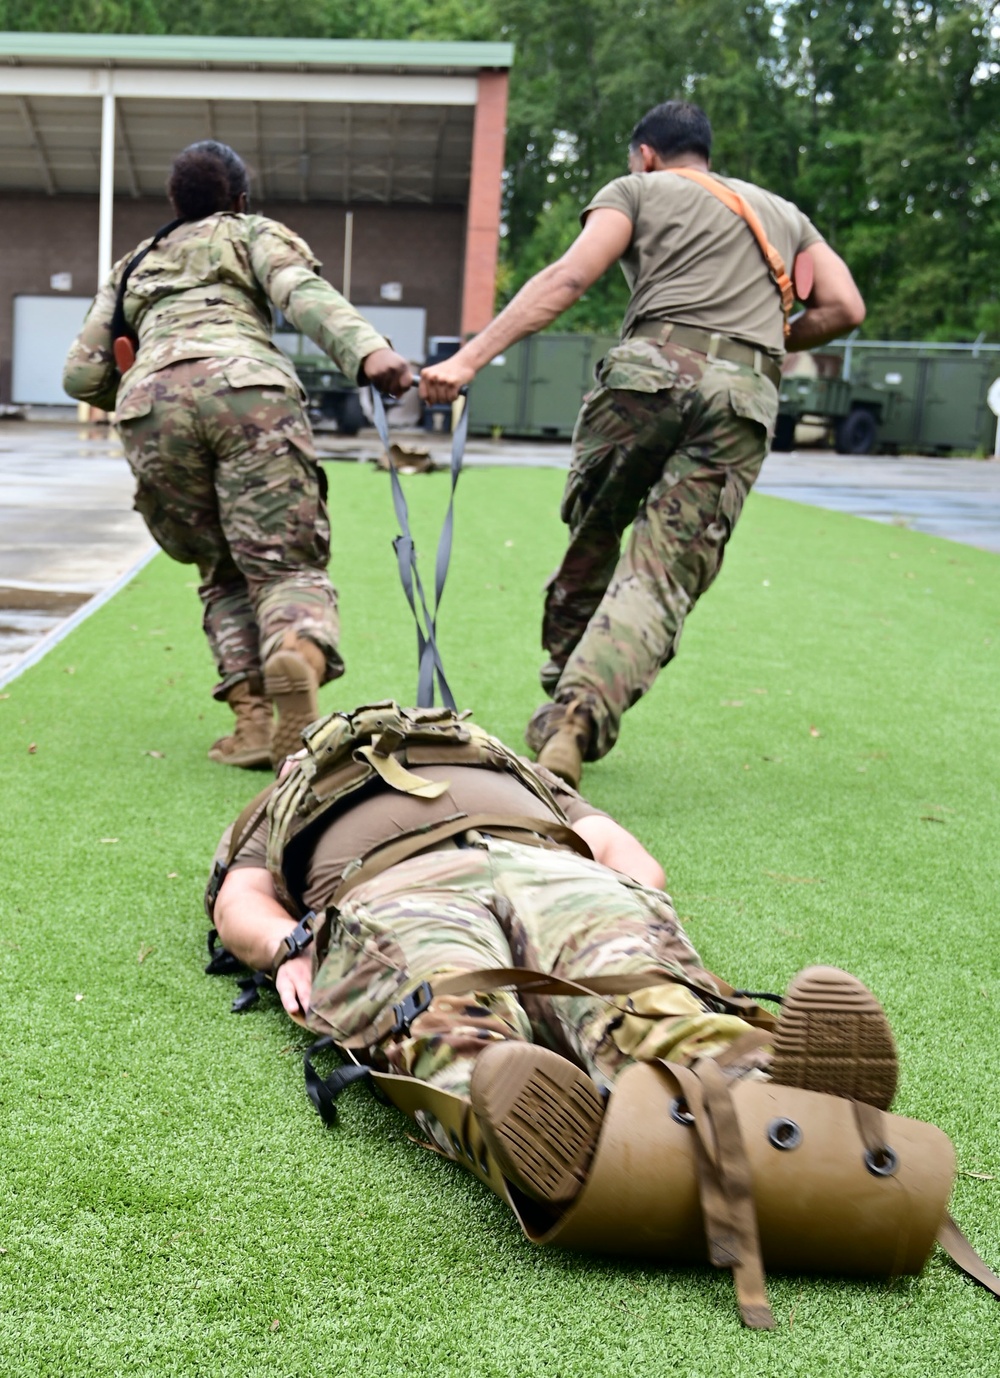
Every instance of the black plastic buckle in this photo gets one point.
(219, 872)
(295, 943)
(407, 1010)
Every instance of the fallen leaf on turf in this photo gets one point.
(275, 1324)
(814, 731)
(732, 703)
(77, 998)
(172, 875)
(929, 818)
(979, 1176)
(32, 748)
(144, 952)
(4, 696)
(69, 669)
(157, 754)
(109, 839)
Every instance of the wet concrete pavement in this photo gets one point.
(68, 532)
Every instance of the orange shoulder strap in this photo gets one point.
(734, 202)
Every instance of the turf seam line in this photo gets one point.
(57, 634)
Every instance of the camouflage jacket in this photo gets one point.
(206, 291)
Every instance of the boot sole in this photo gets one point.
(540, 1117)
(833, 1036)
(291, 686)
(246, 760)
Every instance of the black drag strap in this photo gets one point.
(323, 1091)
(119, 325)
(429, 656)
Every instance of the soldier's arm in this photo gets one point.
(89, 373)
(286, 269)
(602, 241)
(252, 923)
(615, 847)
(834, 306)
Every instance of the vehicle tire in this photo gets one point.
(784, 434)
(348, 413)
(857, 433)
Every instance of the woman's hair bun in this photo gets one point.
(206, 177)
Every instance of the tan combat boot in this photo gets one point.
(249, 746)
(565, 749)
(291, 678)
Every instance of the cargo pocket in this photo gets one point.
(638, 366)
(362, 972)
(309, 519)
(177, 537)
(136, 402)
(754, 404)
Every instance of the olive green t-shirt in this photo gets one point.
(692, 261)
(377, 813)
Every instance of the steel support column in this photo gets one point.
(106, 212)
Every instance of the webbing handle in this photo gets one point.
(428, 655)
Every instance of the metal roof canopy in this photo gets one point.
(315, 119)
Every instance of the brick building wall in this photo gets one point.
(421, 247)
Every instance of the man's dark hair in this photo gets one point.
(206, 177)
(676, 126)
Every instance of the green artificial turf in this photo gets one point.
(818, 773)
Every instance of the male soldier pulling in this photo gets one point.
(673, 436)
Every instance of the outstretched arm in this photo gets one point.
(834, 305)
(285, 268)
(615, 847)
(603, 240)
(252, 922)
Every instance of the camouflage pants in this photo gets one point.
(670, 442)
(227, 479)
(502, 904)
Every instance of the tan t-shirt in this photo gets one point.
(376, 813)
(691, 261)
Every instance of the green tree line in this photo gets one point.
(880, 118)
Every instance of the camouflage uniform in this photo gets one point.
(671, 442)
(502, 904)
(213, 424)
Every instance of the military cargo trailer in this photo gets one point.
(869, 395)
(534, 388)
(332, 395)
(934, 394)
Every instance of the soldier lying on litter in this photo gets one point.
(501, 957)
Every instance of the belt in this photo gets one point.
(715, 346)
